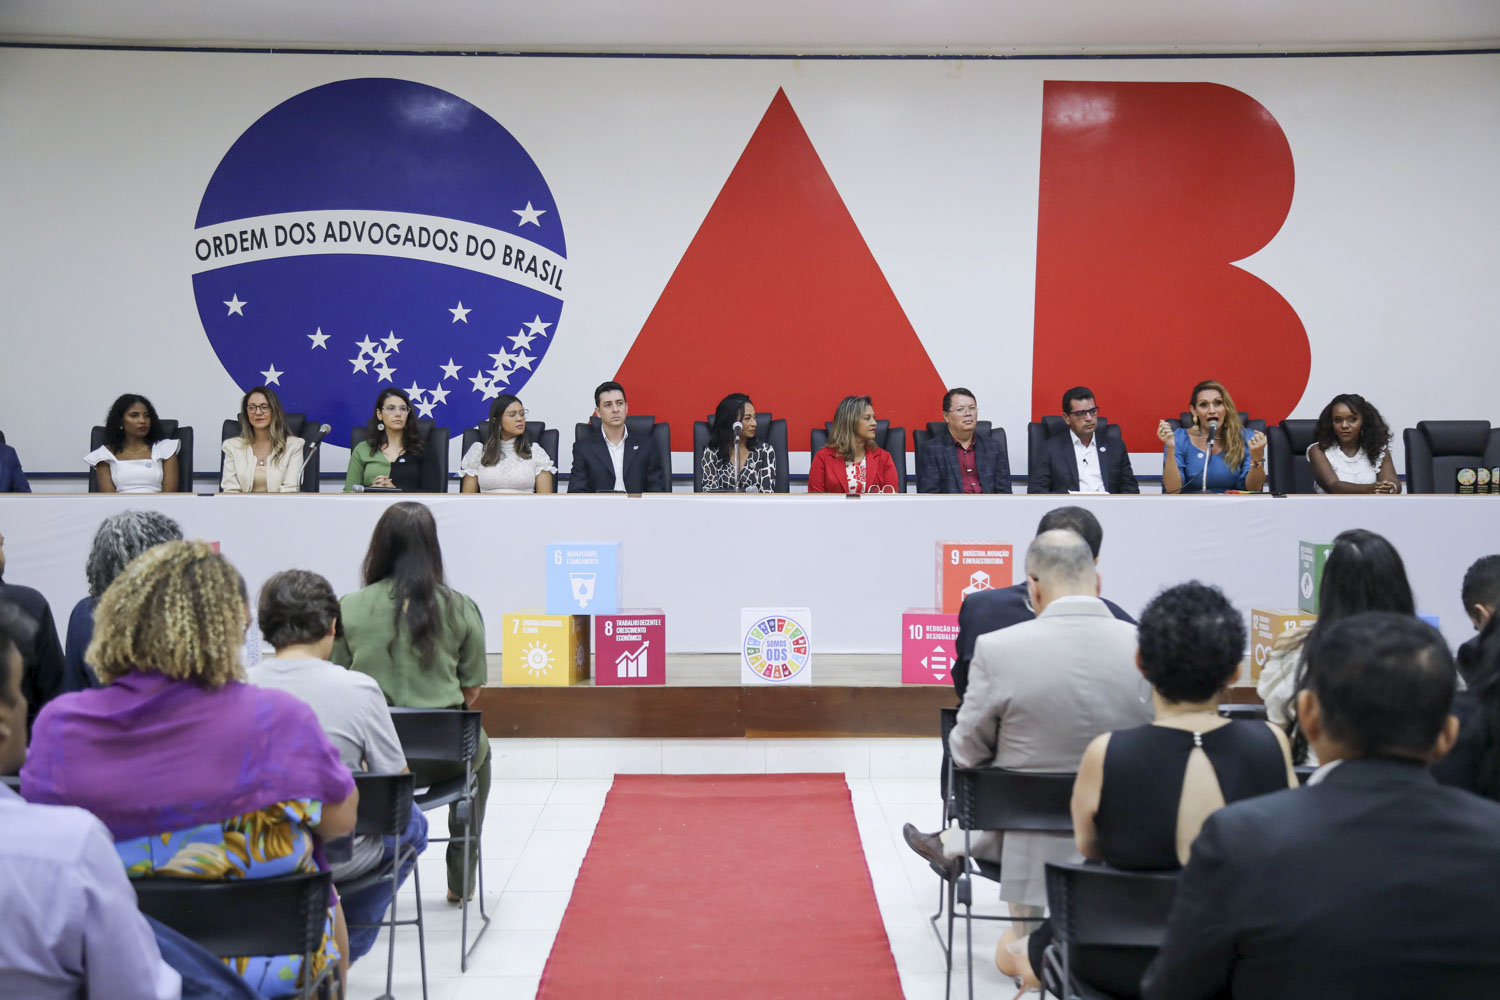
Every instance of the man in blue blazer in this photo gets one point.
(1085, 458)
(958, 460)
(12, 479)
(618, 455)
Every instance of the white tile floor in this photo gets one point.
(547, 797)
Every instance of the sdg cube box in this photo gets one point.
(583, 578)
(631, 647)
(542, 649)
(1267, 626)
(929, 645)
(1310, 559)
(965, 568)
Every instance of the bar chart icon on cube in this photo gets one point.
(631, 647)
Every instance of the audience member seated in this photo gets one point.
(958, 460)
(120, 538)
(12, 476)
(1142, 794)
(195, 773)
(1081, 461)
(42, 666)
(851, 463)
(299, 615)
(1363, 572)
(988, 610)
(733, 462)
(1038, 693)
(393, 455)
(606, 461)
(137, 456)
(72, 928)
(1232, 463)
(423, 642)
(1353, 451)
(508, 461)
(1474, 762)
(1372, 881)
(1480, 594)
(265, 458)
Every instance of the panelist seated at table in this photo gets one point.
(732, 461)
(1352, 453)
(508, 461)
(394, 454)
(136, 456)
(1083, 460)
(265, 458)
(959, 460)
(851, 463)
(609, 459)
(12, 477)
(1232, 462)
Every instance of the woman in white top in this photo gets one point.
(1353, 450)
(264, 458)
(507, 461)
(137, 456)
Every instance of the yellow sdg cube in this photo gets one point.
(543, 649)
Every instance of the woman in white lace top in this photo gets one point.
(507, 461)
(1353, 450)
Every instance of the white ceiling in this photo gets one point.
(769, 26)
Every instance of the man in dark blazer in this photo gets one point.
(618, 455)
(12, 477)
(1374, 880)
(1082, 459)
(958, 460)
(42, 659)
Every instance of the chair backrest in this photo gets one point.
(768, 430)
(171, 429)
(1437, 449)
(1098, 906)
(450, 734)
(434, 439)
(537, 429)
(2, 437)
(1290, 471)
(258, 916)
(296, 424)
(1249, 423)
(384, 803)
(892, 439)
(995, 798)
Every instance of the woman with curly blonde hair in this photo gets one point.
(195, 773)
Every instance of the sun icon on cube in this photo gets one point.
(538, 659)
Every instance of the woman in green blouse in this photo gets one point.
(393, 455)
(423, 643)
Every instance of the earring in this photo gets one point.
(380, 425)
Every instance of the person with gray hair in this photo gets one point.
(1039, 692)
(120, 538)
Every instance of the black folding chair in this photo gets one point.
(1094, 906)
(1235, 710)
(257, 916)
(451, 735)
(385, 802)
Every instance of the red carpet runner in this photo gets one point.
(723, 886)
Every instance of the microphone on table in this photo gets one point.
(322, 430)
(1213, 432)
(358, 488)
(734, 450)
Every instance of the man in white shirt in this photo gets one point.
(1084, 460)
(608, 458)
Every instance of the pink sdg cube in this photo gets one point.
(929, 643)
(631, 647)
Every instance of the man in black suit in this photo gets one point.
(1481, 595)
(958, 460)
(616, 456)
(1374, 880)
(1081, 459)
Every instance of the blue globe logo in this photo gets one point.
(372, 233)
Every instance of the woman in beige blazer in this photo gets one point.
(264, 458)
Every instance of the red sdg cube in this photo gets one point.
(631, 647)
(929, 645)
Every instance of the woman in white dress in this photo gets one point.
(1353, 450)
(508, 461)
(137, 456)
(264, 458)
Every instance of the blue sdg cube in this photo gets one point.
(583, 578)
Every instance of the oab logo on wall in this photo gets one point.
(379, 233)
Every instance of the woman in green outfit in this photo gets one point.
(393, 455)
(423, 643)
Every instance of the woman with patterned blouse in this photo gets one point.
(736, 463)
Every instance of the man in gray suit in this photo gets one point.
(1039, 691)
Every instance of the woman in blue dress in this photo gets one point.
(1197, 461)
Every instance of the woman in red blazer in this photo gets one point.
(851, 463)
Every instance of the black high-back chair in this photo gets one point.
(434, 438)
(1437, 449)
(892, 439)
(1095, 907)
(385, 802)
(296, 426)
(1249, 423)
(170, 428)
(257, 916)
(1288, 442)
(921, 436)
(767, 430)
(642, 425)
(536, 429)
